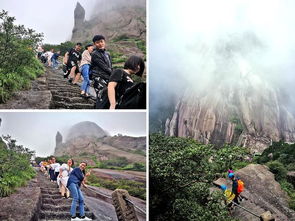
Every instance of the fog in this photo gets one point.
(37, 130)
(199, 44)
(54, 18)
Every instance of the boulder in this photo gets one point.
(262, 193)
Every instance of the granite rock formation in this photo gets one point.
(262, 193)
(234, 102)
(111, 18)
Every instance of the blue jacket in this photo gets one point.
(76, 176)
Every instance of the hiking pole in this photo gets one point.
(245, 209)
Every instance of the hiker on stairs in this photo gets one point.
(85, 70)
(71, 60)
(64, 172)
(120, 80)
(75, 180)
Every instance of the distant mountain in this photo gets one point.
(86, 128)
(88, 141)
(123, 23)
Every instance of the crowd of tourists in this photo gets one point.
(69, 181)
(115, 88)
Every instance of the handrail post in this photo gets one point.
(125, 211)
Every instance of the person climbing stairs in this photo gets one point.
(53, 206)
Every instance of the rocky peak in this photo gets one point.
(113, 19)
(58, 139)
(79, 14)
(86, 129)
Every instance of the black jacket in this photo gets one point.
(101, 64)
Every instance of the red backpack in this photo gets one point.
(240, 186)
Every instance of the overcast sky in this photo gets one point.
(37, 130)
(55, 18)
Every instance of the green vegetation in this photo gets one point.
(239, 127)
(181, 173)
(134, 188)
(120, 163)
(18, 62)
(15, 168)
(280, 158)
(63, 47)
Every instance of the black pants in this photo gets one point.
(55, 176)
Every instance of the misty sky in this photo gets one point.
(184, 37)
(54, 18)
(37, 130)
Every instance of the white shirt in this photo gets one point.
(55, 167)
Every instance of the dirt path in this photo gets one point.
(50, 91)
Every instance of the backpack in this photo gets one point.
(240, 186)
(133, 98)
(101, 89)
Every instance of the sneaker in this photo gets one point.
(85, 218)
(74, 218)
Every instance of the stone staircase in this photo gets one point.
(65, 95)
(53, 206)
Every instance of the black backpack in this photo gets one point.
(101, 89)
(133, 98)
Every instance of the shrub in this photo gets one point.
(18, 63)
(15, 168)
(278, 169)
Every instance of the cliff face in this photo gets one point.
(247, 114)
(113, 19)
(235, 101)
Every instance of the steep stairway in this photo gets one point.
(53, 206)
(65, 95)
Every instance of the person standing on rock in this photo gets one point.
(120, 80)
(85, 70)
(234, 187)
(71, 59)
(62, 180)
(75, 180)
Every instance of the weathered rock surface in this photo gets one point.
(247, 114)
(126, 142)
(50, 91)
(86, 139)
(262, 193)
(24, 204)
(88, 147)
(37, 97)
(112, 19)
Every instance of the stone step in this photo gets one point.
(61, 215)
(65, 105)
(71, 100)
(57, 201)
(50, 207)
